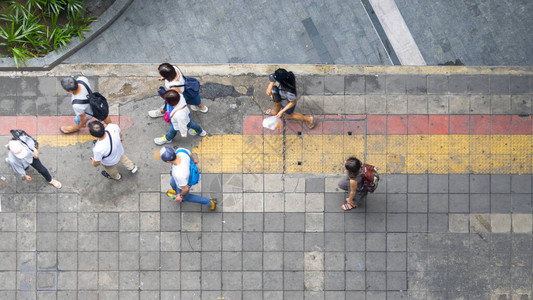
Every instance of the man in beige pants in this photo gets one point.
(108, 150)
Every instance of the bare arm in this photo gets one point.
(184, 191)
(269, 88)
(94, 162)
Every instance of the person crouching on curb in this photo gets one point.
(180, 119)
(108, 150)
(184, 174)
(22, 155)
(284, 97)
(353, 183)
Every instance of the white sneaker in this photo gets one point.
(7, 160)
(203, 133)
(134, 170)
(196, 108)
(162, 140)
(156, 113)
(192, 131)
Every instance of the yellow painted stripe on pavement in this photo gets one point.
(398, 154)
(62, 140)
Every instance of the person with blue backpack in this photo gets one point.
(188, 87)
(184, 174)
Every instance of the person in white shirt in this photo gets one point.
(174, 80)
(181, 161)
(79, 92)
(108, 150)
(180, 119)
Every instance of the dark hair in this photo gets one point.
(352, 165)
(69, 84)
(167, 71)
(286, 79)
(96, 129)
(171, 97)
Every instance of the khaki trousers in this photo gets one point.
(113, 172)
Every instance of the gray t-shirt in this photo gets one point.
(284, 94)
(82, 95)
(19, 165)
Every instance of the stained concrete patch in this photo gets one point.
(459, 222)
(501, 223)
(522, 223)
(314, 271)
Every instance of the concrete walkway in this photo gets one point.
(459, 231)
(476, 32)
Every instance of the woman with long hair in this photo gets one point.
(284, 96)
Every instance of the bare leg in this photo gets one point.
(300, 117)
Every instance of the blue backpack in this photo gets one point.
(191, 90)
(194, 175)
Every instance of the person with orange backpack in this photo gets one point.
(361, 179)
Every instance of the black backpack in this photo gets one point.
(97, 102)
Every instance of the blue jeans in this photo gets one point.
(172, 132)
(190, 197)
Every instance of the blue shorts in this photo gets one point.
(77, 119)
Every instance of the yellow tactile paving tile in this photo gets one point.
(62, 140)
(396, 154)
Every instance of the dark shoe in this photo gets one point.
(106, 175)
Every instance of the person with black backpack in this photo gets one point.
(85, 103)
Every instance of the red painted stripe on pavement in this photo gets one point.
(49, 125)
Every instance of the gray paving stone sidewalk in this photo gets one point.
(273, 236)
(311, 32)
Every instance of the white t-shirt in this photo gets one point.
(103, 147)
(180, 119)
(82, 95)
(181, 172)
(180, 81)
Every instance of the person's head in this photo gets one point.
(167, 154)
(167, 71)
(96, 129)
(171, 97)
(286, 79)
(69, 84)
(16, 147)
(352, 165)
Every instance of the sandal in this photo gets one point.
(348, 206)
(269, 112)
(64, 129)
(56, 184)
(312, 124)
